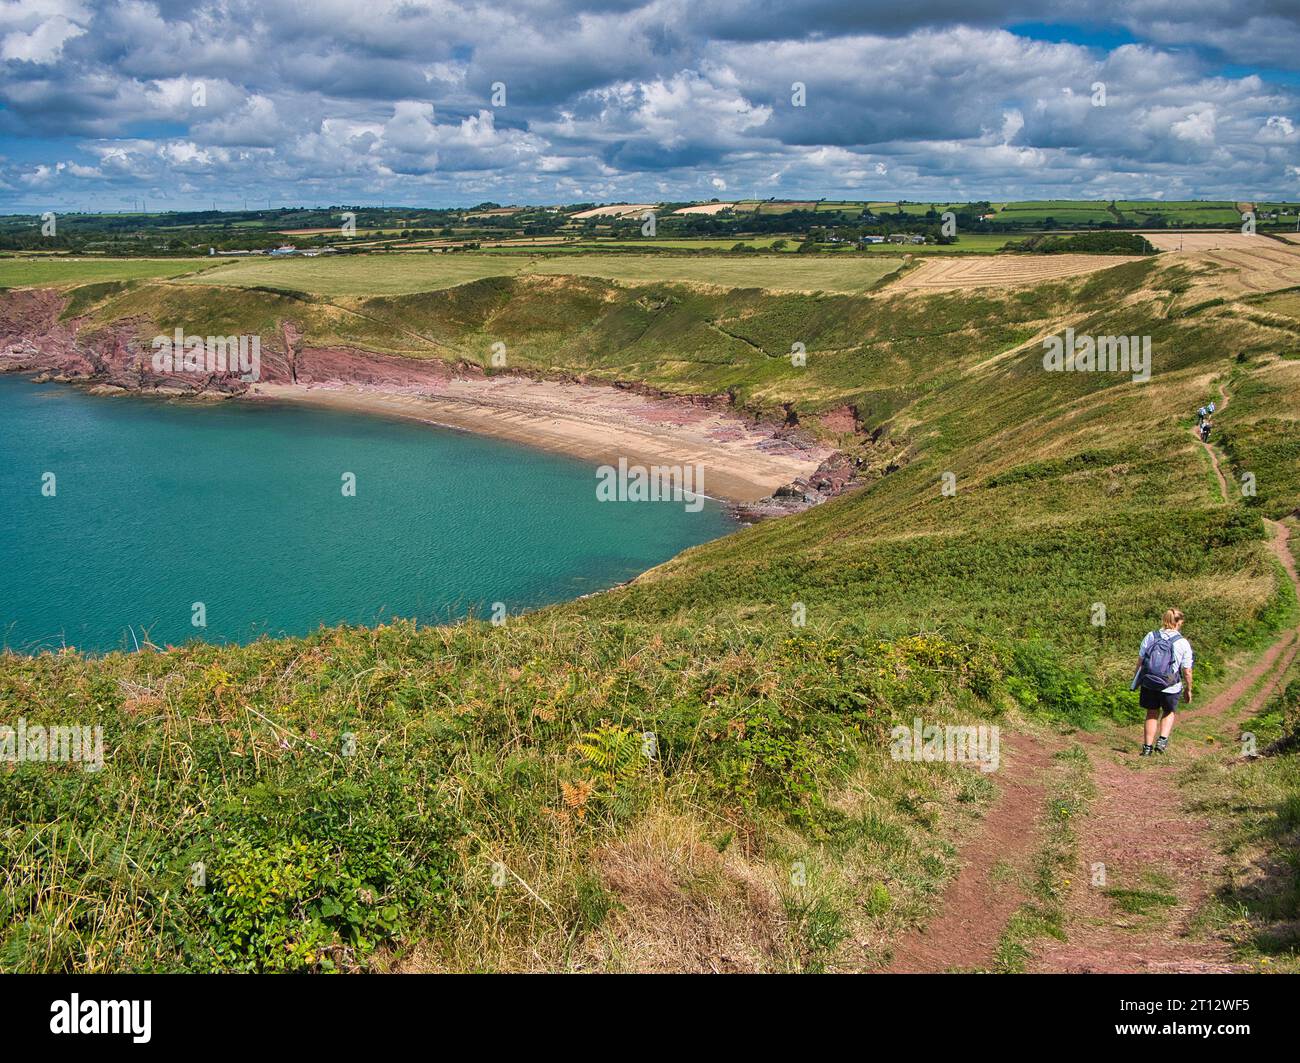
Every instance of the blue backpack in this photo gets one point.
(1159, 665)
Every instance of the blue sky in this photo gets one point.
(332, 101)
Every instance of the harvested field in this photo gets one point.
(706, 208)
(617, 210)
(1201, 241)
(1263, 268)
(1001, 271)
(1239, 264)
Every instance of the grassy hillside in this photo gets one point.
(879, 350)
(675, 771)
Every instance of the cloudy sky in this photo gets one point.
(323, 102)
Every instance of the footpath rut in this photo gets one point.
(1135, 838)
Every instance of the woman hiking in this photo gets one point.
(1164, 673)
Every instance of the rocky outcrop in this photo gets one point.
(33, 339)
(835, 476)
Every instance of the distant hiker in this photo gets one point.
(1206, 425)
(1164, 672)
(1200, 415)
(1211, 406)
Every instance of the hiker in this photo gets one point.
(1211, 407)
(1164, 673)
(1200, 416)
(1206, 425)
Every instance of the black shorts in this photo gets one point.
(1158, 699)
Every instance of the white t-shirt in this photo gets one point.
(1182, 655)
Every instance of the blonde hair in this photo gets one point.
(1171, 619)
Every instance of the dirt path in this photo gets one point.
(980, 900)
(1138, 839)
(1147, 868)
(1214, 455)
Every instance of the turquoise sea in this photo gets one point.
(157, 506)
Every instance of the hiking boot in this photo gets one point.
(1147, 751)
(1162, 744)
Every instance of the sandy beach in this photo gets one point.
(742, 461)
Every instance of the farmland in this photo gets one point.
(404, 274)
(48, 271)
(703, 224)
(965, 243)
(362, 275)
(616, 211)
(849, 276)
(1193, 241)
(1237, 264)
(962, 274)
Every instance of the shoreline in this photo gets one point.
(742, 463)
(759, 469)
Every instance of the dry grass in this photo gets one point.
(1202, 241)
(619, 210)
(681, 905)
(706, 208)
(1000, 271)
(1232, 264)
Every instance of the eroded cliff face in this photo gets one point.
(34, 339)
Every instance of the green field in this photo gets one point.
(405, 274)
(57, 272)
(1125, 212)
(363, 274)
(1063, 211)
(979, 243)
(804, 273)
